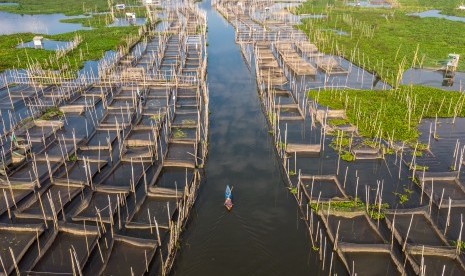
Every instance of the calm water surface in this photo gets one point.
(263, 234)
(12, 23)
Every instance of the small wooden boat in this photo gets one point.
(228, 198)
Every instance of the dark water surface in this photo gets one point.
(263, 235)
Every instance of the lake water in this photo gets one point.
(431, 78)
(369, 4)
(40, 24)
(48, 44)
(437, 14)
(263, 235)
(122, 22)
(9, 4)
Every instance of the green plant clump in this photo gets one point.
(461, 244)
(178, 133)
(293, 190)
(94, 44)
(393, 114)
(342, 205)
(51, 113)
(74, 7)
(72, 158)
(347, 156)
(338, 122)
(386, 41)
(405, 196)
(377, 212)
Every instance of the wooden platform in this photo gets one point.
(367, 154)
(294, 61)
(330, 66)
(303, 148)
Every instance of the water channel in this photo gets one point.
(263, 235)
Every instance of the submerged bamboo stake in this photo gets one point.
(72, 262)
(448, 217)
(408, 232)
(3, 265)
(14, 262)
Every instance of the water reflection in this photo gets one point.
(40, 24)
(263, 235)
(122, 22)
(369, 4)
(48, 44)
(437, 14)
(9, 4)
(433, 79)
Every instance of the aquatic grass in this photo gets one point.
(50, 113)
(74, 7)
(339, 205)
(418, 167)
(103, 20)
(72, 158)
(347, 156)
(341, 143)
(459, 244)
(393, 114)
(384, 41)
(178, 133)
(93, 46)
(156, 117)
(377, 211)
(293, 190)
(405, 196)
(188, 122)
(374, 211)
(94, 21)
(337, 122)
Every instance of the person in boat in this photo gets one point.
(228, 203)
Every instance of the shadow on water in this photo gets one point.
(263, 235)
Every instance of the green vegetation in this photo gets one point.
(339, 205)
(178, 133)
(156, 117)
(386, 41)
(418, 167)
(95, 21)
(446, 6)
(375, 211)
(71, 7)
(341, 143)
(393, 114)
(405, 196)
(338, 122)
(293, 190)
(72, 158)
(459, 244)
(103, 20)
(51, 113)
(347, 156)
(188, 122)
(387, 150)
(94, 44)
